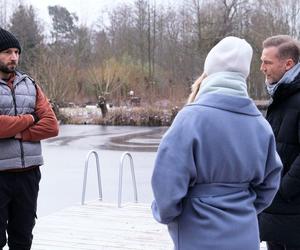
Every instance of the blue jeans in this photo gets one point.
(18, 203)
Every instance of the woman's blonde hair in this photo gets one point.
(195, 88)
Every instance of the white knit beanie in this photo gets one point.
(230, 54)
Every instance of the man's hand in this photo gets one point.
(34, 117)
(18, 136)
(10, 125)
(45, 125)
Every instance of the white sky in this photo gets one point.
(88, 11)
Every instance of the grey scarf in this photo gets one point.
(287, 78)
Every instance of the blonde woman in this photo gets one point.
(195, 88)
(217, 167)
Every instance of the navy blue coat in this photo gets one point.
(215, 170)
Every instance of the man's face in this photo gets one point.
(272, 66)
(9, 59)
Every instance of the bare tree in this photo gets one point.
(56, 77)
(119, 31)
(3, 13)
(141, 31)
(114, 78)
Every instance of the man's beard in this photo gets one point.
(6, 69)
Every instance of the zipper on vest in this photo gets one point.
(16, 113)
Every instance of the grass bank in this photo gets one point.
(124, 116)
(119, 116)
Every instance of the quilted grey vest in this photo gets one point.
(20, 100)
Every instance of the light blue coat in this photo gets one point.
(215, 170)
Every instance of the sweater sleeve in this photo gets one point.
(12, 125)
(47, 126)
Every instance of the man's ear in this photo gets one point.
(289, 64)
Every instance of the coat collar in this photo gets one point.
(236, 104)
(284, 91)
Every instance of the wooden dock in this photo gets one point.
(102, 226)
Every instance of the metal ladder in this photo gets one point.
(121, 178)
(99, 177)
(85, 175)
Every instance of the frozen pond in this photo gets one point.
(62, 174)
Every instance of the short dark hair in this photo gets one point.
(287, 46)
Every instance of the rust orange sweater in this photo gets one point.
(46, 127)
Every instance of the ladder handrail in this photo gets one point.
(85, 175)
(121, 178)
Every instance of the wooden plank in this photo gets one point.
(101, 226)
